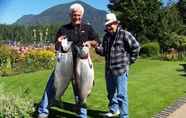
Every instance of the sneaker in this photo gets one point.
(42, 116)
(110, 114)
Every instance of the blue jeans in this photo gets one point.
(49, 97)
(117, 93)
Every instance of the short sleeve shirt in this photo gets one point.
(78, 34)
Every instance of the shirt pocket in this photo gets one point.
(119, 46)
(84, 35)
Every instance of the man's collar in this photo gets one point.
(74, 25)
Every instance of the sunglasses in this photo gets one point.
(109, 25)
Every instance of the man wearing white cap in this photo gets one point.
(120, 49)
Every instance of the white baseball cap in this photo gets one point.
(110, 18)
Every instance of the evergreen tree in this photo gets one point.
(182, 9)
(138, 16)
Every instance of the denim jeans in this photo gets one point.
(49, 98)
(117, 93)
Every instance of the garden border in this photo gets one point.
(171, 108)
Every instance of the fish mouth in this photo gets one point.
(65, 50)
(84, 56)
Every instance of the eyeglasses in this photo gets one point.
(109, 25)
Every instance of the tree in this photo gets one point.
(182, 9)
(138, 16)
(150, 20)
(25, 34)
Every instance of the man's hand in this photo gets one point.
(87, 44)
(93, 43)
(60, 38)
(99, 50)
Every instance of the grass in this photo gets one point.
(153, 85)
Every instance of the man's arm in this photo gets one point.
(92, 43)
(93, 37)
(133, 45)
(56, 41)
(100, 50)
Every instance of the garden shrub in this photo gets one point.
(170, 55)
(176, 50)
(40, 59)
(15, 107)
(6, 59)
(12, 106)
(150, 50)
(14, 61)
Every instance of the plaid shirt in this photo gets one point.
(123, 51)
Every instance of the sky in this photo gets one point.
(12, 10)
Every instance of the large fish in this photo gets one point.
(85, 74)
(63, 69)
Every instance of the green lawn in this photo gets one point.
(153, 85)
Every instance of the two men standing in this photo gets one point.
(119, 48)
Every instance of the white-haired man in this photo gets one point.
(79, 33)
(120, 49)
